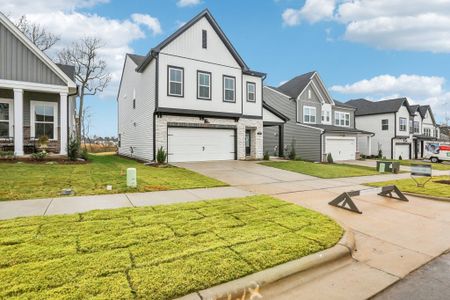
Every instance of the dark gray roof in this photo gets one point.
(138, 59)
(413, 108)
(205, 13)
(366, 107)
(296, 85)
(278, 90)
(332, 128)
(423, 110)
(68, 70)
(340, 104)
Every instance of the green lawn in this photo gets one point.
(25, 181)
(432, 188)
(322, 170)
(157, 252)
(436, 166)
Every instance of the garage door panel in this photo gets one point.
(341, 148)
(403, 150)
(200, 144)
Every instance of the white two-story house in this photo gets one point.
(316, 125)
(400, 129)
(193, 96)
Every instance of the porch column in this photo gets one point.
(63, 125)
(18, 122)
(370, 145)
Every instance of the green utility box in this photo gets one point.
(388, 167)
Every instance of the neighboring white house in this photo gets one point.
(37, 96)
(193, 96)
(400, 129)
(316, 124)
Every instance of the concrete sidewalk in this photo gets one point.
(373, 163)
(69, 205)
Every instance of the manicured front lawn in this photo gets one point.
(157, 252)
(435, 166)
(322, 170)
(25, 181)
(432, 188)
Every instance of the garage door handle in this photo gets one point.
(203, 148)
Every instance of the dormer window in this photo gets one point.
(204, 39)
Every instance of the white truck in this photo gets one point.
(437, 152)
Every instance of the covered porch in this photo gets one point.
(30, 111)
(274, 120)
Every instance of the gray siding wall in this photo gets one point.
(303, 103)
(18, 63)
(307, 139)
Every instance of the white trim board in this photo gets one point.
(32, 86)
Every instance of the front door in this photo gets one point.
(248, 142)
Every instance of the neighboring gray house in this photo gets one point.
(316, 125)
(400, 129)
(37, 96)
(193, 96)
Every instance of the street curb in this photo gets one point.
(236, 288)
(428, 197)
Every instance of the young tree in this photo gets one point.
(43, 39)
(90, 71)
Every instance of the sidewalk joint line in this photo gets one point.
(46, 209)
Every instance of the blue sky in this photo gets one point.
(359, 49)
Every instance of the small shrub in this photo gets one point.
(292, 155)
(330, 158)
(266, 155)
(84, 154)
(161, 156)
(7, 154)
(73, 148)
(380, 153)
(39, 156)
(400, 158)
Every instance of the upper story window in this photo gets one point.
(204, 85)
(175, 81)
(326, 116)
(342, 119)
(204, 39)
(403, 124)
(427, 131)
(416, 127)
(385, 124)
(309, 114)
(6, 113)
(229, 89)
(44, 119)
(251, 92)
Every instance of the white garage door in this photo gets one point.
(403, 150)
(200, 144)
(341, 148)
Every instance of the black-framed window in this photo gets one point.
(385, 124)
(229, 88)
(204, 39)
(416, 127)
(203, 85)
(175, 81)
(5, 118)
(403, 124)
(251, 92)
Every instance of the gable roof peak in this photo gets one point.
(295, 86)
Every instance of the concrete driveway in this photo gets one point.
(393, 238)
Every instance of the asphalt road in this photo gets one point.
(430, 282)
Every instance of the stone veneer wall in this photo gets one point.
(256, 125)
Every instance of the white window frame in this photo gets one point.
(400, 124)
(387, 124)
(326, 116)
(248, 91)
(199, 73)
(341, 118)
(33, 105)
(169, 81)
(312, 113)
(226, 77)
(414, 126)
(11, 117)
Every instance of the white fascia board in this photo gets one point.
(324, 88)
(33, 48)
(32, 86)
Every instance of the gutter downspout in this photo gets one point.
(395, 135)
(321, 144)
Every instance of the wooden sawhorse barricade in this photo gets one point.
(345, 201)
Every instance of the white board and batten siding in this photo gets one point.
(382, 138)
(200, 144)
(135, 125)
(252, 108)
(341, 148)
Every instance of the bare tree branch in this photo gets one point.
(43, 39)
(90, 70)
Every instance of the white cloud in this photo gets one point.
(63, 19)
(184, 3)
(149, 21)
(419, 89)
(418, 25)
(313, 11)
